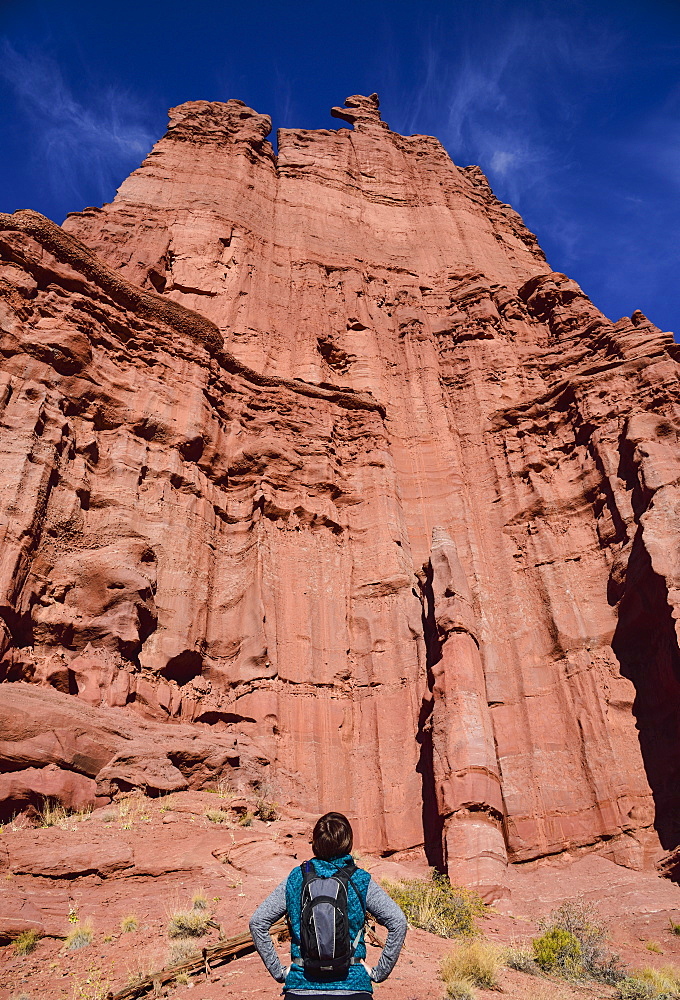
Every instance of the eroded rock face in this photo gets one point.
(313, 448)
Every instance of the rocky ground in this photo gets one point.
(143, 860)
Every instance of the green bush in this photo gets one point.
(437, 906)
(557, 949)
(595, 960)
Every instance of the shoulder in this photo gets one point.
(362, 879)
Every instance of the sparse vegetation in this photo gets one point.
(224, 789)
(54, 814)
(521, 958)
(193, 923)
(654, 946)
(631, 988)
(572, 945)
(93, 987)
(664, 981)
(460, 989)
(182, 979)
(474, 962)
(266, 810)
(26, 942)
(246, 819)
(674, 928)
(180, 951)
(437, 906)
(128, 924)
(79, 937)
(133, 808)
(217, 816)
(199, 901)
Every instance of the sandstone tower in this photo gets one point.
(314, 472)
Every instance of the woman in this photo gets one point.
(358, 894)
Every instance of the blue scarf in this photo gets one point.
(357, 979)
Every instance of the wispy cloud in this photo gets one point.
(506, 97)
(84, 143)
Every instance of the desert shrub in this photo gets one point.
(521, 958)
(79, 937)
(182, 979)
(217, 815)
(435, 905)
(188, 924)
(674, 928)
(25, 942)
(594, 959)
(631, 988)
(199, 901)
(266, 810)
(558, 949)
(129, 924)
(246, 819)
(654, 946)
(476, 961)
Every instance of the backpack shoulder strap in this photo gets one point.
(347, 871)
(308, 872)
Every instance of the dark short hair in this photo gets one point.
(332, 836)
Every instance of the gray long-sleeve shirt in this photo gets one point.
(378, 904)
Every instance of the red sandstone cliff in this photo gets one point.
(313, 451)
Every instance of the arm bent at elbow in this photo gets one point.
(387, 913)
(267, 913)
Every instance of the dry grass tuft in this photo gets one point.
(79, 937)
(246, 819)
(477, 962)
(654, 947)
(665, 980)
(199, 901)
(26, 942)
(460, 989)
(217, 816)
(194, 923)
(128, 924)
(437, 906)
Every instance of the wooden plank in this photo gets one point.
(212, 955)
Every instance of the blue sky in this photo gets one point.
(571, 108)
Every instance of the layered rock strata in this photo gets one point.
(313, 449)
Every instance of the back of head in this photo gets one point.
(332, 836)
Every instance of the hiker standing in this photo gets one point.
(326, 901)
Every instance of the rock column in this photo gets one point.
(466, 774)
